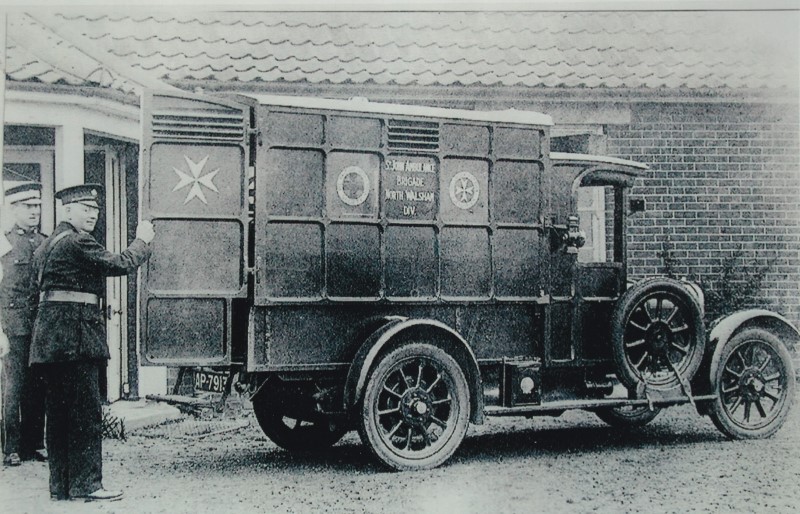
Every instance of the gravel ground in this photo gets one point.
(574, 463)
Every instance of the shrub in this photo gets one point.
(735, 286)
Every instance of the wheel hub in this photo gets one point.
(659, 337)
(752, 384)
(416, 407)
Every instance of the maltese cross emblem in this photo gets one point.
(464, 190)
(195, 179)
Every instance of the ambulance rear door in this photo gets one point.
(195, 152)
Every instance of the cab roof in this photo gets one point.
(589, 170)
(364, 105)
(599, 160)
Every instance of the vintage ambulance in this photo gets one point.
(406, 270)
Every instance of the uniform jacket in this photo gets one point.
(67, 331)
(17, 293)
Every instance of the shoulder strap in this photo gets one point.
(47, 251)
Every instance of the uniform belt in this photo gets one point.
(69, 296)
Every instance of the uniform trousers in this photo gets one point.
(74, 427)
(23, 401)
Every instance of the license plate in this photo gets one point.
(212, 381)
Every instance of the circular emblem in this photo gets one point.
(464, 190)
(353, 186)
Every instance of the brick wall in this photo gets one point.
(186, 388)
(722, 177)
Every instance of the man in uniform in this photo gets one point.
(69, 339)
(23, 390)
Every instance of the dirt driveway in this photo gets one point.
(679, 463)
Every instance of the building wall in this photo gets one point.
(724, 180)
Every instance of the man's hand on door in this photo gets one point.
(145, 231)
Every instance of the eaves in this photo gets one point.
(500, 94)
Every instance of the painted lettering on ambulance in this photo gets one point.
(409, 166)
(419, 196)
(410, 195)
(410, 191)
(407, 181)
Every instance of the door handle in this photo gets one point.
(110, 311)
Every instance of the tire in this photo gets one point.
(415, 409)
(754, 371)
(656, 321)
(628, 416)
(288, 427)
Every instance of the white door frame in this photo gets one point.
(116, 287)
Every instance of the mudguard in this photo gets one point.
(726, 327)
(397, 326)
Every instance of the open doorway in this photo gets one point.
(114, 165)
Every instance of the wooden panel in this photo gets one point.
(293, 182)
(464, 139)
(517, 262)
(509, 141)
(353, 258)
(293, 129)
(411, 262)
(466, 266)
(292, 260)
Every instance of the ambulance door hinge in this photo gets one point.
(254, 133)
(256, 270)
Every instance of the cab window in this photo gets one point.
(596, 212)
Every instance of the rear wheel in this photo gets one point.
(754, 381)
(628, 416)
(284, 419)
(415, 410)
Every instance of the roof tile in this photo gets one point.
(575, 49)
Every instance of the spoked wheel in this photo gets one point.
(658, 333)
(416, 406)
(283, 419)
(754, 381)
(628, 416)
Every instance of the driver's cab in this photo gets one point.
(588, 246)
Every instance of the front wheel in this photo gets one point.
(415, 410)
(754, 382)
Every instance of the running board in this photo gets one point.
(560, 406)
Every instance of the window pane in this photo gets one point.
(15, 173)
(596, 211)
